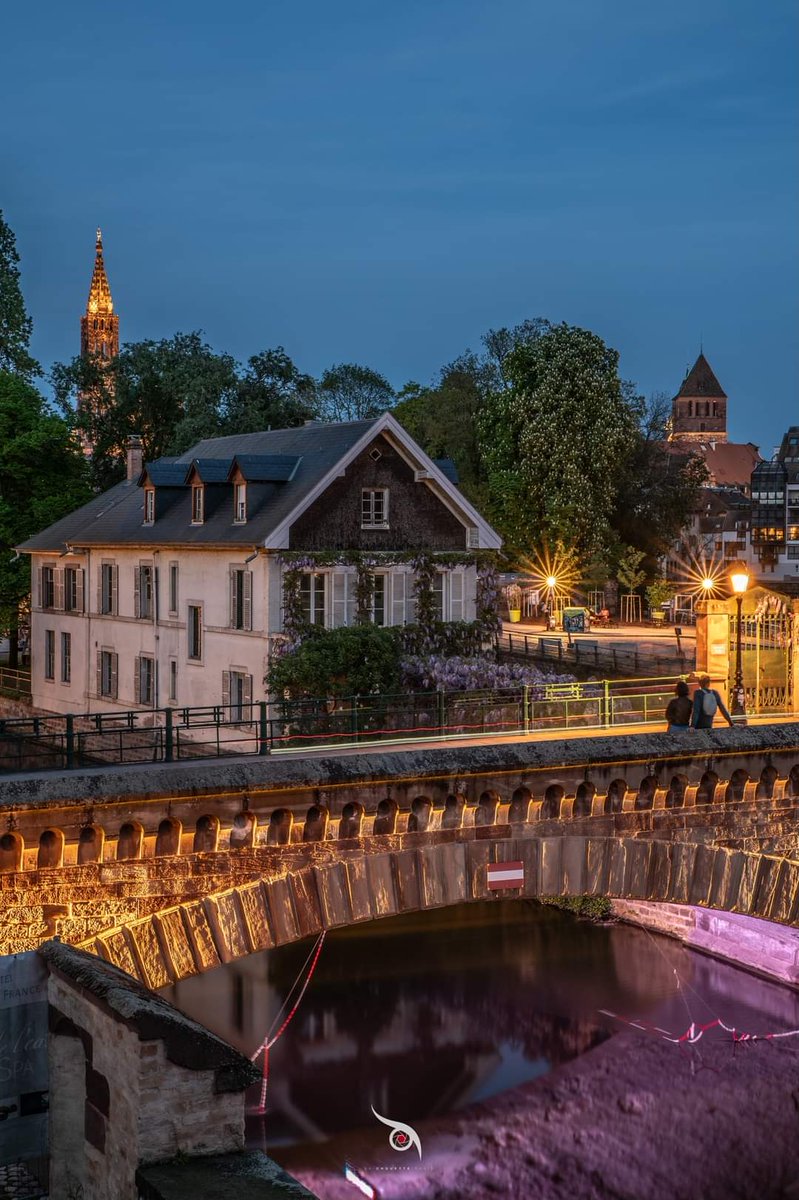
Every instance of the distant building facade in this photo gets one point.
(699, 410)
(775, 510)
(168, 589)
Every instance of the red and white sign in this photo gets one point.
(504, 875)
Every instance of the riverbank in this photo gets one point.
(634, 1119)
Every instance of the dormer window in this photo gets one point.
(149, 506)
(197, 504)
(240, 503)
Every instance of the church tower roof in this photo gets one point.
(100, 292)
(701, 382)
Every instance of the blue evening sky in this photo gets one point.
(381, 182)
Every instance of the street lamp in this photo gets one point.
(739, 581)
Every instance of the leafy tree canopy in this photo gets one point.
(271, 393)
(15, 324)
(354, 660)
(43, 476)
(349, 392)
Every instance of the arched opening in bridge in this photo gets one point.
(487, 808)
(453, 812)
(421, 808)
(646, 792)
(167, 840)
(520, 805)
(707, 788)
(614, 800)
(11, 849)
(765, 786)
(736, 786)
(675, 797)
(316, 822)
(386, 816)
(550, 809)
(242, 833)
(280, 825)
(351, 820)
(129, 842)
(51, 849)
(584, 799)
(90, 844)
(206, 834)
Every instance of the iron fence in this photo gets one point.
(650, 659)
(64, 742)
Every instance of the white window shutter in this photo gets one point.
(352, 600)
(137, 679)
(339, 599)
(410, 600)
(115, 591)
(114, 676)
(398, 579)
(456, 594)
(247, 695)
(226, 688)
(137, 591)
(59, 589)
(100, 590)
(80, 590)
(247, 601)
(99, 672)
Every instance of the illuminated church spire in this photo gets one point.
(99, 327)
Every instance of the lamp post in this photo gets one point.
(551, 582)
(739, 581)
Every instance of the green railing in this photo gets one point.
(65, 742)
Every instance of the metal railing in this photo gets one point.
(651, 658)
(14, 682)
(64, 742)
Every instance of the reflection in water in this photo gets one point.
(424, 1014)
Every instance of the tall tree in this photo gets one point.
(554, 439)
(15, 324)
(271, 393)
(349, 392)
(171, 392)
(43, 476)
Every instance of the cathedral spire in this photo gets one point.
(99, 327)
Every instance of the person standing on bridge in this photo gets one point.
(679, 708)
(707, 702)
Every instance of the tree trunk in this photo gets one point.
(13, 640)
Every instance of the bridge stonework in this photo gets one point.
(169, 871)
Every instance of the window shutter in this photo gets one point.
(100, 590)
(233, 577)
(247, 696)
(137, 591)
(80, 590)
(99, 672)
(456, 596)
(247, 603)
(226, 688)
(339, 599)
(137, 679)
(59, 589)
(398, 597)
(114, 675)
(352, 602)
(410, 600)
(114, 591)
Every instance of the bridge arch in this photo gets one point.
(51, 848)
(206, 834)
(167, 839)
(91, 841)
(12, 848)
(130, 840)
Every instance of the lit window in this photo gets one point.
(149, 506)
(374, 508)
(197, 504)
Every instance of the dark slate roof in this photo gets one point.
(266, 468)
(700, 381)
(447, 467)
(186, 1042)
(116, 516)
(210, 470)
(164, 472)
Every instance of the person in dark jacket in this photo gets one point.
(707, 702)
(679, 708)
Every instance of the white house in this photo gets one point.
(168, 588)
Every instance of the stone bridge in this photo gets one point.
(168, 871)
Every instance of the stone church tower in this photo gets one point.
(699, 410)
(99, 327)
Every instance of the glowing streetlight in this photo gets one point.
(708, 584)
(552, 582)
(739, 582)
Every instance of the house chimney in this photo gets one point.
(135, 457)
